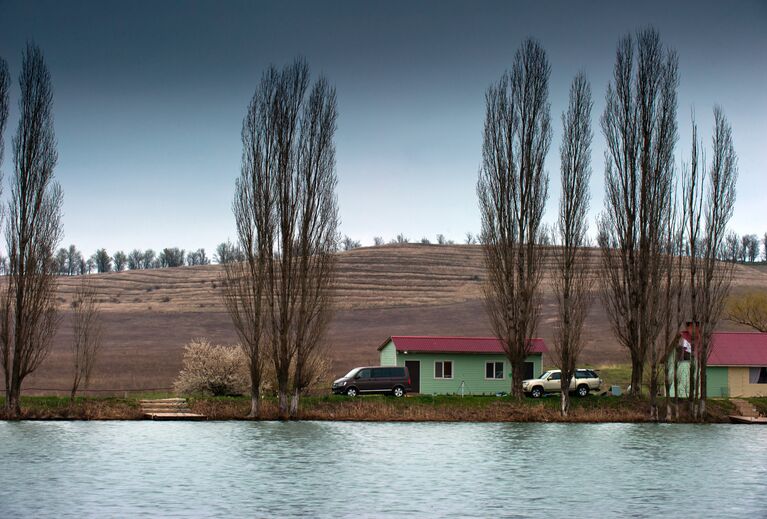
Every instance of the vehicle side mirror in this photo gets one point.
(356, 376)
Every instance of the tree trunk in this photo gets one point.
(564, 402)
(654, 394)
(294, 403)
(255, 403)
(284, 408)
(12, 404)
(676, 387)
(517, 374)
(637, 372)
(703, 394)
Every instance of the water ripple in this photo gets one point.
(337, 469)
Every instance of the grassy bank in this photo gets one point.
(83, 408)
(372, 408)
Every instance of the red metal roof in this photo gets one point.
(432, 344)
(736, 348)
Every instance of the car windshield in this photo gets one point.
(544, 374)
(351, 373)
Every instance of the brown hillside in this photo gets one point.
(381, 291)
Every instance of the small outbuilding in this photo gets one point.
(737, 365)
(457, 365)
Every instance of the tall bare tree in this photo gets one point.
(571, 282)
(243, 298)
(639, 125)
(673, 310)
(5, 82)
(28, 309)
(316, 231)
(87, 334)
(286, 212)
(710, 201)
(512, 190)
(254, 214)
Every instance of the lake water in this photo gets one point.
(336, 469)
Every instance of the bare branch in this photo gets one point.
(512, 190)
(571, 283)
(87, 334)
(639, 125)
(29, 316)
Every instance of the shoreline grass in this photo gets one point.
(378, 408)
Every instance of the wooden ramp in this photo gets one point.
(746, 413)
(168, 409)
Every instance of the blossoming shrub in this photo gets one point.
(213, 370)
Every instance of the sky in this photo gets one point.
(149, 99)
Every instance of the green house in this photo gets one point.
(457, 365)
(736, 367)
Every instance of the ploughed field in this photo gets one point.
(149, 315)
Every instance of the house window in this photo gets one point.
(494, 370)
(757, 375)
(443, 369)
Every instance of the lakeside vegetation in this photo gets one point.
(448, 408)
(413, 408)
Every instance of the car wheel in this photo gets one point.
(352, 392)
(398, 391)
(537, 392)
(583, 390)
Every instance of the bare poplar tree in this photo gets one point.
(286, 212)
(28, 308)
(571, 283)
(664, 352)
(639, 125)
(5, 82)
(315, 232)
(87, 336)
(710, 201)
(254, 213)
(243, 298)
(512, 190)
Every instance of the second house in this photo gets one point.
(457, 365)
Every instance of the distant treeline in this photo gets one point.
(71, 262)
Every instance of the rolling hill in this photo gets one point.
(149, 315)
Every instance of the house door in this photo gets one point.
(529, 367)
(414, 369)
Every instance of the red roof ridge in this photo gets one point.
(454, 337)
(742, 333)
(457, 344)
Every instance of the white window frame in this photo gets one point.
(443, 377)
(494, 362)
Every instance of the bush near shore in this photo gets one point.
(375, 408)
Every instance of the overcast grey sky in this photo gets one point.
(149, 100)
